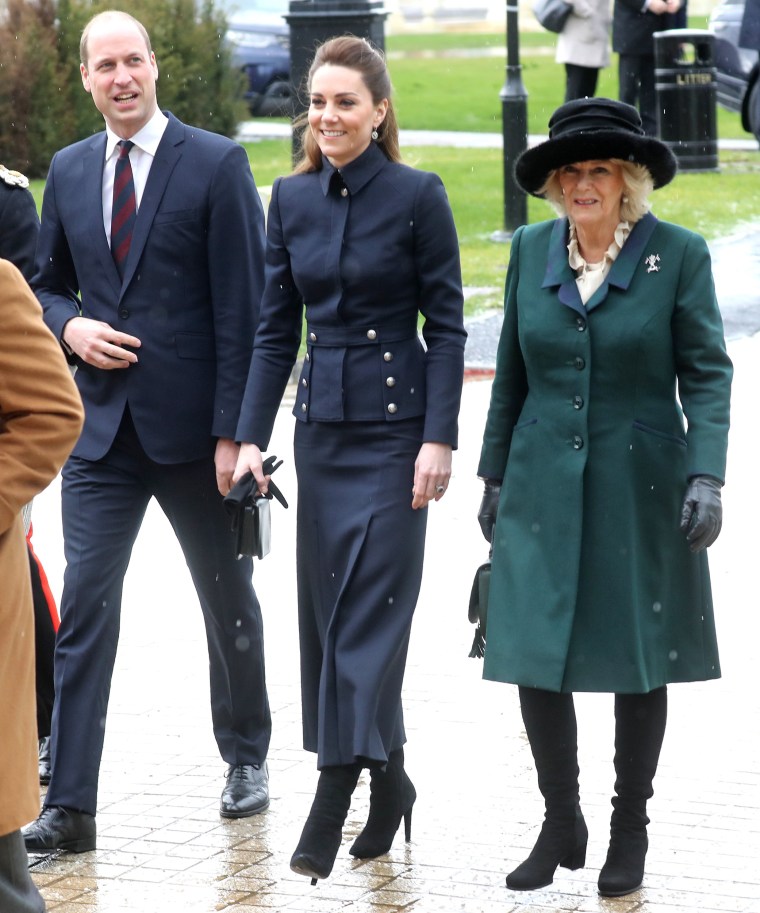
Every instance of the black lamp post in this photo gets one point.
(314, 21)
(514, 126)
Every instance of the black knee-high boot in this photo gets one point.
(392, 796)
(552, 732)
(321, 836)
(639, 730)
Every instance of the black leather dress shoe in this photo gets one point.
(60, 828)
(246, 792)
(44, 760)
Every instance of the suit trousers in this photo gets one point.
(637, 87)
(103, 505)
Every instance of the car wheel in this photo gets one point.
(753, 109)
(276, 100)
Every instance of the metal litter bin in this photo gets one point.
(685, 81)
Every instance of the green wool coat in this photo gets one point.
(593, 586)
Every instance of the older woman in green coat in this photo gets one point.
(603, 458)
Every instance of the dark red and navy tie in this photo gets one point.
(124, 209)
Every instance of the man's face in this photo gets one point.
(121, 75)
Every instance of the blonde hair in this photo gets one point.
(110, 14)
(637, 185)
(359, 55)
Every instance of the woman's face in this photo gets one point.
(592, 192)
(342, 114)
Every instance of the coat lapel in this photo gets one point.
(93, 162)
(558, 271)
(167, 156)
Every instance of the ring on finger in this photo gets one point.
(439, 489)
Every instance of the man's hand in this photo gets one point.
(225, 459)
(99, 344)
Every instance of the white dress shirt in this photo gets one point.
(141, 158)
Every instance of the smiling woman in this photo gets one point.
(342, 116)
(365, 245)
(602, 489)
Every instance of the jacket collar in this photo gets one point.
(559, 273)
(355, 174)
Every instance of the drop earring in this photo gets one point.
(375, 134)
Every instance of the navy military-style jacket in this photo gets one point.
(365, 250)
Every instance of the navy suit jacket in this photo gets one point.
(191, 289)
(364, 251)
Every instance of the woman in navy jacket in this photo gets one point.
(366, 245)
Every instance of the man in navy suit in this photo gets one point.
(162, 343)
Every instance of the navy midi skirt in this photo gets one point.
(360, 549)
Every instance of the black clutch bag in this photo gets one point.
(477, 610)
(249, 512)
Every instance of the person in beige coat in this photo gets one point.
(40, 421)
(584, 46)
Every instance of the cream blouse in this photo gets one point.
(591, 275)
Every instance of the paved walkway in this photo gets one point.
(162, 846)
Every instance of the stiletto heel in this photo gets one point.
(320, 840)
(392, 797)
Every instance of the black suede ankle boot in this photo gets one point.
(392, 796)
(320, 840)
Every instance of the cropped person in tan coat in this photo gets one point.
(40, 420)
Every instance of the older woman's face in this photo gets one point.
(592, 192)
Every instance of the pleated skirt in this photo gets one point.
(360, 549)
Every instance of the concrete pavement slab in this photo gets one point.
(162, 846)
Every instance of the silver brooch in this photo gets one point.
(651, 261)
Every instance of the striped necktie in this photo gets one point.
(124, 207)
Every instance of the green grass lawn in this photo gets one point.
(439, 92)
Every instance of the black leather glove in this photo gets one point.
(702, 512)
(488, 507)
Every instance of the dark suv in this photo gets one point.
(738, 70)
(259, 40)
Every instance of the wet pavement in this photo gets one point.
(162, 846)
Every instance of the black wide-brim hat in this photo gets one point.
(588, 129)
